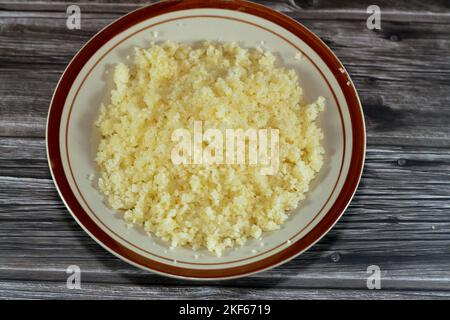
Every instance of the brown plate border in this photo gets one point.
(70, 74)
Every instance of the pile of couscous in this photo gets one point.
(218, 206)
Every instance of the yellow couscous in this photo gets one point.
(217, 206)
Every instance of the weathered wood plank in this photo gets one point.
(301, 273)
(120, 6)
(402, 74)
(411, 244)
(49, 290)
(398, 220)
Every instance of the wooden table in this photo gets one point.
(399, 219)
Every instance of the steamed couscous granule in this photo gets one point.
(216, 206)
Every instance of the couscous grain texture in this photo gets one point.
(169, 86)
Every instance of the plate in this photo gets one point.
(85, 85)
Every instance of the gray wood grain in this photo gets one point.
(398, 220)
(403, 62)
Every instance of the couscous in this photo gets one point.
(215, 206)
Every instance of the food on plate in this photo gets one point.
(219, 86)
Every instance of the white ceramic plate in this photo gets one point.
(72, 140)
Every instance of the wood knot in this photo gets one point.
(394, 38)
(335, 257)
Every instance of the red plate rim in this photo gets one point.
(332, 216)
